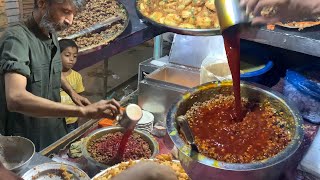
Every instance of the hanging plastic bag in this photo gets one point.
(213, 69)
(302, 87)
(192, 50)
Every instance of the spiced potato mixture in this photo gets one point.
(191, 14)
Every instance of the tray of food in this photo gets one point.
(190, 17)
(163, 159)
(298, 25)
(55, 171)
(100, 22)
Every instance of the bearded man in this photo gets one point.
(30, 77)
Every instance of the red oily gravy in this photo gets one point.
(261, 134)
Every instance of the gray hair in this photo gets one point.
(79, 4)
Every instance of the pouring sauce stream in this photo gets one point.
(231, 37)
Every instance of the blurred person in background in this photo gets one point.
(282, 10)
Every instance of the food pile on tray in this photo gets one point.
(300, 25)
(55, 170)
(164, 159)
(97, 11)
(189, 14)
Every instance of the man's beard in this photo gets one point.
(48, 25)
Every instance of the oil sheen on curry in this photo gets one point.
(190, 14)
(263, 132)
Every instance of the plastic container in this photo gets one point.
(105, 122)
(258, 71)
(302, 87)
(258, 64)
(261, 72)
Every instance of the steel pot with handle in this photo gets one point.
(201, 167)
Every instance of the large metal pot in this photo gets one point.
(16, 152)
(201, 167)
(153, 144)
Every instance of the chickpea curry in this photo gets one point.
(189, 14)
(262, 134)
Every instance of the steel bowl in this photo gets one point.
(16, 152)
(53, 171)
(199, 166)
(178, 30)
(154, 146)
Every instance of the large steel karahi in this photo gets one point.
(199, 166)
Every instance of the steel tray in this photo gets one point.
(184, 31)
(108, 37)
(54, 171)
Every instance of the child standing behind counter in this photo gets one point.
(69, 52)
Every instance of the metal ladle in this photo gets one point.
(230, 13)
(186, 131)
(130, 117)
(128, 121)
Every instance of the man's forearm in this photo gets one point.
(20, 100)
(316, 8)
(304, 9)
(29, 104)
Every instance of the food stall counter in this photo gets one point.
(60, 150)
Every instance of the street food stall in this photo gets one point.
(171, 90)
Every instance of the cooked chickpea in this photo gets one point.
(169, 10)
(156, 16)
(186, 14)
(162, 20)
(172, 20)
(181, 7)
(185, 2)
(203, 22)
(198, 2)
(162, 3)
(188, 26)
(142, 7)
(210, 5)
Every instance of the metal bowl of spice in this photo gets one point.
(16, 152)
(102, 145)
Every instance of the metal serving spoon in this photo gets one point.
(186, 131)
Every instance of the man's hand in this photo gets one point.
(7, 175)
(79, 100)
(102, 109)
(76, 98)
(147, 171)
(286, 10)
